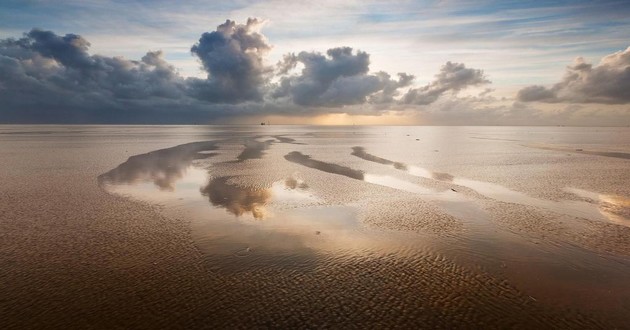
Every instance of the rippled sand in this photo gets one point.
(291, 226)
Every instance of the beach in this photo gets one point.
(306, 226)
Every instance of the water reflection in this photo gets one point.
(162, 167)
(284, 139)
(297, 230)
(235, 199)
(240, 200)
(600, 211)
(450, 202)
(293, 183)
(254, 149)
(360, 152)
(299, 158)
(615, 208)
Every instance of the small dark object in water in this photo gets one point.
(417, 139)
(262, 123)
(453, 190)
(318, 232)
(579, 150)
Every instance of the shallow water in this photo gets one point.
(439, 227)
(286, 197)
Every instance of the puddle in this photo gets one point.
(614, 208)
(240, 227)
(305, 160)
(449, 201)
(162, 167)
(284, 139)
(593, 211)
(360, 152)
(239, 200)
(254, 149)
(236, 200)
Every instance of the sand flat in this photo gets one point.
(190, 236)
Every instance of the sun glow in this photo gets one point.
(335, 119)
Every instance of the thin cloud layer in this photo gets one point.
(608, 83)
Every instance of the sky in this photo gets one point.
(329, 62)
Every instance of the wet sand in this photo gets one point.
(210, 227)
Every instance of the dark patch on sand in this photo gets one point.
(284, 139)
(305, 160)
(254, 150)
(360, 152)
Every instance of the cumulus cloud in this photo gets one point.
(452, 77)
(608, 82)
(45, 77)
(336, 79)
(391, 88)
(233, 57)
(43, 62)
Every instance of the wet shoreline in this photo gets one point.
(263, 241)
(482, 244)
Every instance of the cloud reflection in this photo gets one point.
(305, 160)
(361, 153)
(162, 167)
(253, 150)
(293, 183)
(609, 208)
(236, 199)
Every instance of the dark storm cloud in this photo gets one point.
(233, 57)
(452, 77)
(69, 50)
(336, 79)
(608, 82)
(45, 77)
(50, 78)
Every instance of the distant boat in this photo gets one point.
(262, 123)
